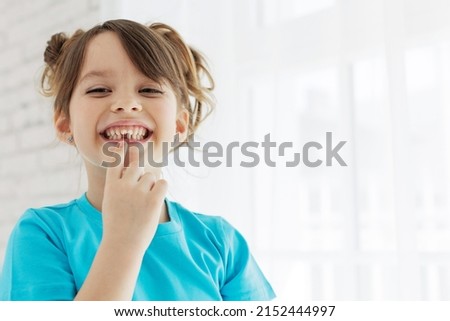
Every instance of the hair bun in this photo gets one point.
(54, 48)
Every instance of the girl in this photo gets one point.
(124, 84)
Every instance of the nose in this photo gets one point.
(126, 105)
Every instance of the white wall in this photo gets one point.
(35, 169)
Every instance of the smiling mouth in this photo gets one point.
(127, 133)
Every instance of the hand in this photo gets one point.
(132, 203)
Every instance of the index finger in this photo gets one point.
(114, 170)
(134, 154)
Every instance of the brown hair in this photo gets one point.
(158, 51)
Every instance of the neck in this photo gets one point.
(96, 186)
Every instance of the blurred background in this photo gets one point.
(375, 73)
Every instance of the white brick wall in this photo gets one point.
(35, 170)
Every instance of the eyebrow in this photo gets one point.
(96, 74)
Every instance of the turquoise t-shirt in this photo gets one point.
(191, 257)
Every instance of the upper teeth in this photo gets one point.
(130, 132)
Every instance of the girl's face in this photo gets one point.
(113, 99)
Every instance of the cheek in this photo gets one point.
(167, 128)
(166, 117)
(82, 119)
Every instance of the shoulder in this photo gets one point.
(199, 226)
(189, 218)
(47, 214)
(242, 279)
(35, 260)
(48, 221)
(49, 210)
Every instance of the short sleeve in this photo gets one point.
(36, 267)
(244, 279)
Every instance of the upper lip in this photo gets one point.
(126, 122)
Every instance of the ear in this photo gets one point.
(62, 126)
(182, 124)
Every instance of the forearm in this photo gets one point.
(113, 274)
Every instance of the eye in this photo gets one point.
(98, 90)
(149, 90)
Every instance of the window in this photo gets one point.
(375, 74)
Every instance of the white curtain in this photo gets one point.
(374, 73)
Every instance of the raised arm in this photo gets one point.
(131, 209)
